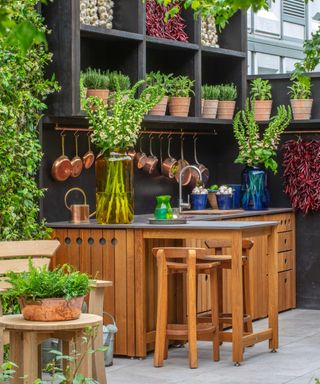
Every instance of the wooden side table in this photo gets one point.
(25, 336)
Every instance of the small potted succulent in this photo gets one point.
(49, 295)
(227, 101)
(210, 100)
(96, 83)
(300, 93)
(261, 99)
(224, 197)
(179, 91)
(164, 81)
(212, 195)
(199, 198)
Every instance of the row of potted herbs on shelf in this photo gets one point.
(218, 100)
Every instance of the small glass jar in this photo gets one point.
(163, 210)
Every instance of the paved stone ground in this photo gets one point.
(297, 361)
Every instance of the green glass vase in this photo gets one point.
(163, 209)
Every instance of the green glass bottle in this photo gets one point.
(163, 209)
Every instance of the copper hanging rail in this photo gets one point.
(65, 129)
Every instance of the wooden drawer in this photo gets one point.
(286, 221)
(285, 261)
(285, 241)
(285, 290)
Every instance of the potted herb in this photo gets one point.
(199, 198)
(164, 81)
(179, 92)
(118, 79)
(261, 99)
(210, 96)
(224, 197)
(96, 83)
(227, 101)
(300, 92)
(49, 295)
(257, 152)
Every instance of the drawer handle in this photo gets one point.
(285, 261)
(285, 241)
(285, 221)
(285, 280)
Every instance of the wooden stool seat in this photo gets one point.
(182, 330)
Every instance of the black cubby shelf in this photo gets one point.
(156, 42)
(223, 53)
(108, 34)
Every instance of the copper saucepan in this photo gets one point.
(186, 177)
(152, 160)
(169, 164)
(76, 162)
(62, 167)
(140, 157)
(88, 157)
(202, 168)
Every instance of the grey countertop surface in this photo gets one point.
(193, 221)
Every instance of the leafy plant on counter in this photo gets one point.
(95, 79)
(228, 92)
(260, 89)
(159, 79)
(301, 87)
(181, 86)
(210, 92)
(23, 89)
(254, 149)
(116, 78)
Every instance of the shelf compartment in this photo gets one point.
(222, 53)
(108, 34)
(160, 43)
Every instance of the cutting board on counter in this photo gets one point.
(213, 212)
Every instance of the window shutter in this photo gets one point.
(294, 8)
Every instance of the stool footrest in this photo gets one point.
(182, 329)
(223, 318)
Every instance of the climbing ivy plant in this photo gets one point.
(23, 89)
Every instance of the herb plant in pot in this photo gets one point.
(164, 81)
(114, 132)
(257, 151)
(261, 99)
(300, 92)
(117, 79)
(224, 197)
(96, 83)
(199, 198)
(179, 91)
(49, 295)
(227, 101)
(210, 96)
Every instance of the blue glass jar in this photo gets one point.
(255, 194)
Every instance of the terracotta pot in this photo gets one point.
(226, 109)
(212, 197)
(101, 93)
(54, 309)
(160, 108)
(179, 106)
(262, 110)
(301, 109)
(210, 109)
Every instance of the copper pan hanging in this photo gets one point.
(88, 157)
(76, 162)
(62, 167)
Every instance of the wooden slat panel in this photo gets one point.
(73, 251)
(285, 290)
(28, 248)
(131, 348)
(60, 257)
(285, 241)
(85, 256)
(285, 261)
(96, 253)
(108, 252)
(21, 265)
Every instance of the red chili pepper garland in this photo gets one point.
(301, 161)
(157, 27)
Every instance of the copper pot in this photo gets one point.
(62, 167)
(88, 157)
(168, 165)
(202, 168)
(80, 213)
(76, 162)
(140, 157)
(151, 161)
(186, 177)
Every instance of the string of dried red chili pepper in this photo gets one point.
(174, 29)
(301, 161)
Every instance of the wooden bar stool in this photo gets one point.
(217, 247)
(189, 261)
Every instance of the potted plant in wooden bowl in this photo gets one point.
(179, 91)
(210, 96)
(96, 83)
(164, 81)
(227, 101)
(261, 99)
(49, 295)
(300, 92)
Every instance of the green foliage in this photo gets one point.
(23, 89)
(120, 128)
(40, 283)
(159, 79)
(116, 78)
(214, 187)
(95, 79)
(180, 86)
(301, 86)
(210, 92)
(228, 92)
(260, 89)
(254, 149)
(311, 49)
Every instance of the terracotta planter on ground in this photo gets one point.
(301, 109)
(179, 106)
(53, 309)
(160, 108)
(226, 109)
(262, 110)
(210, 109)
(101, 93)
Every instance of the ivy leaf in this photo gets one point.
(25, 34)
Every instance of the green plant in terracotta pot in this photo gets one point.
(49, 295)
(210, 100)
(96, 83)
(163, 80)
(260, 93)
(180, 89)
(300, 93)
(227, 101)
(114, 132)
